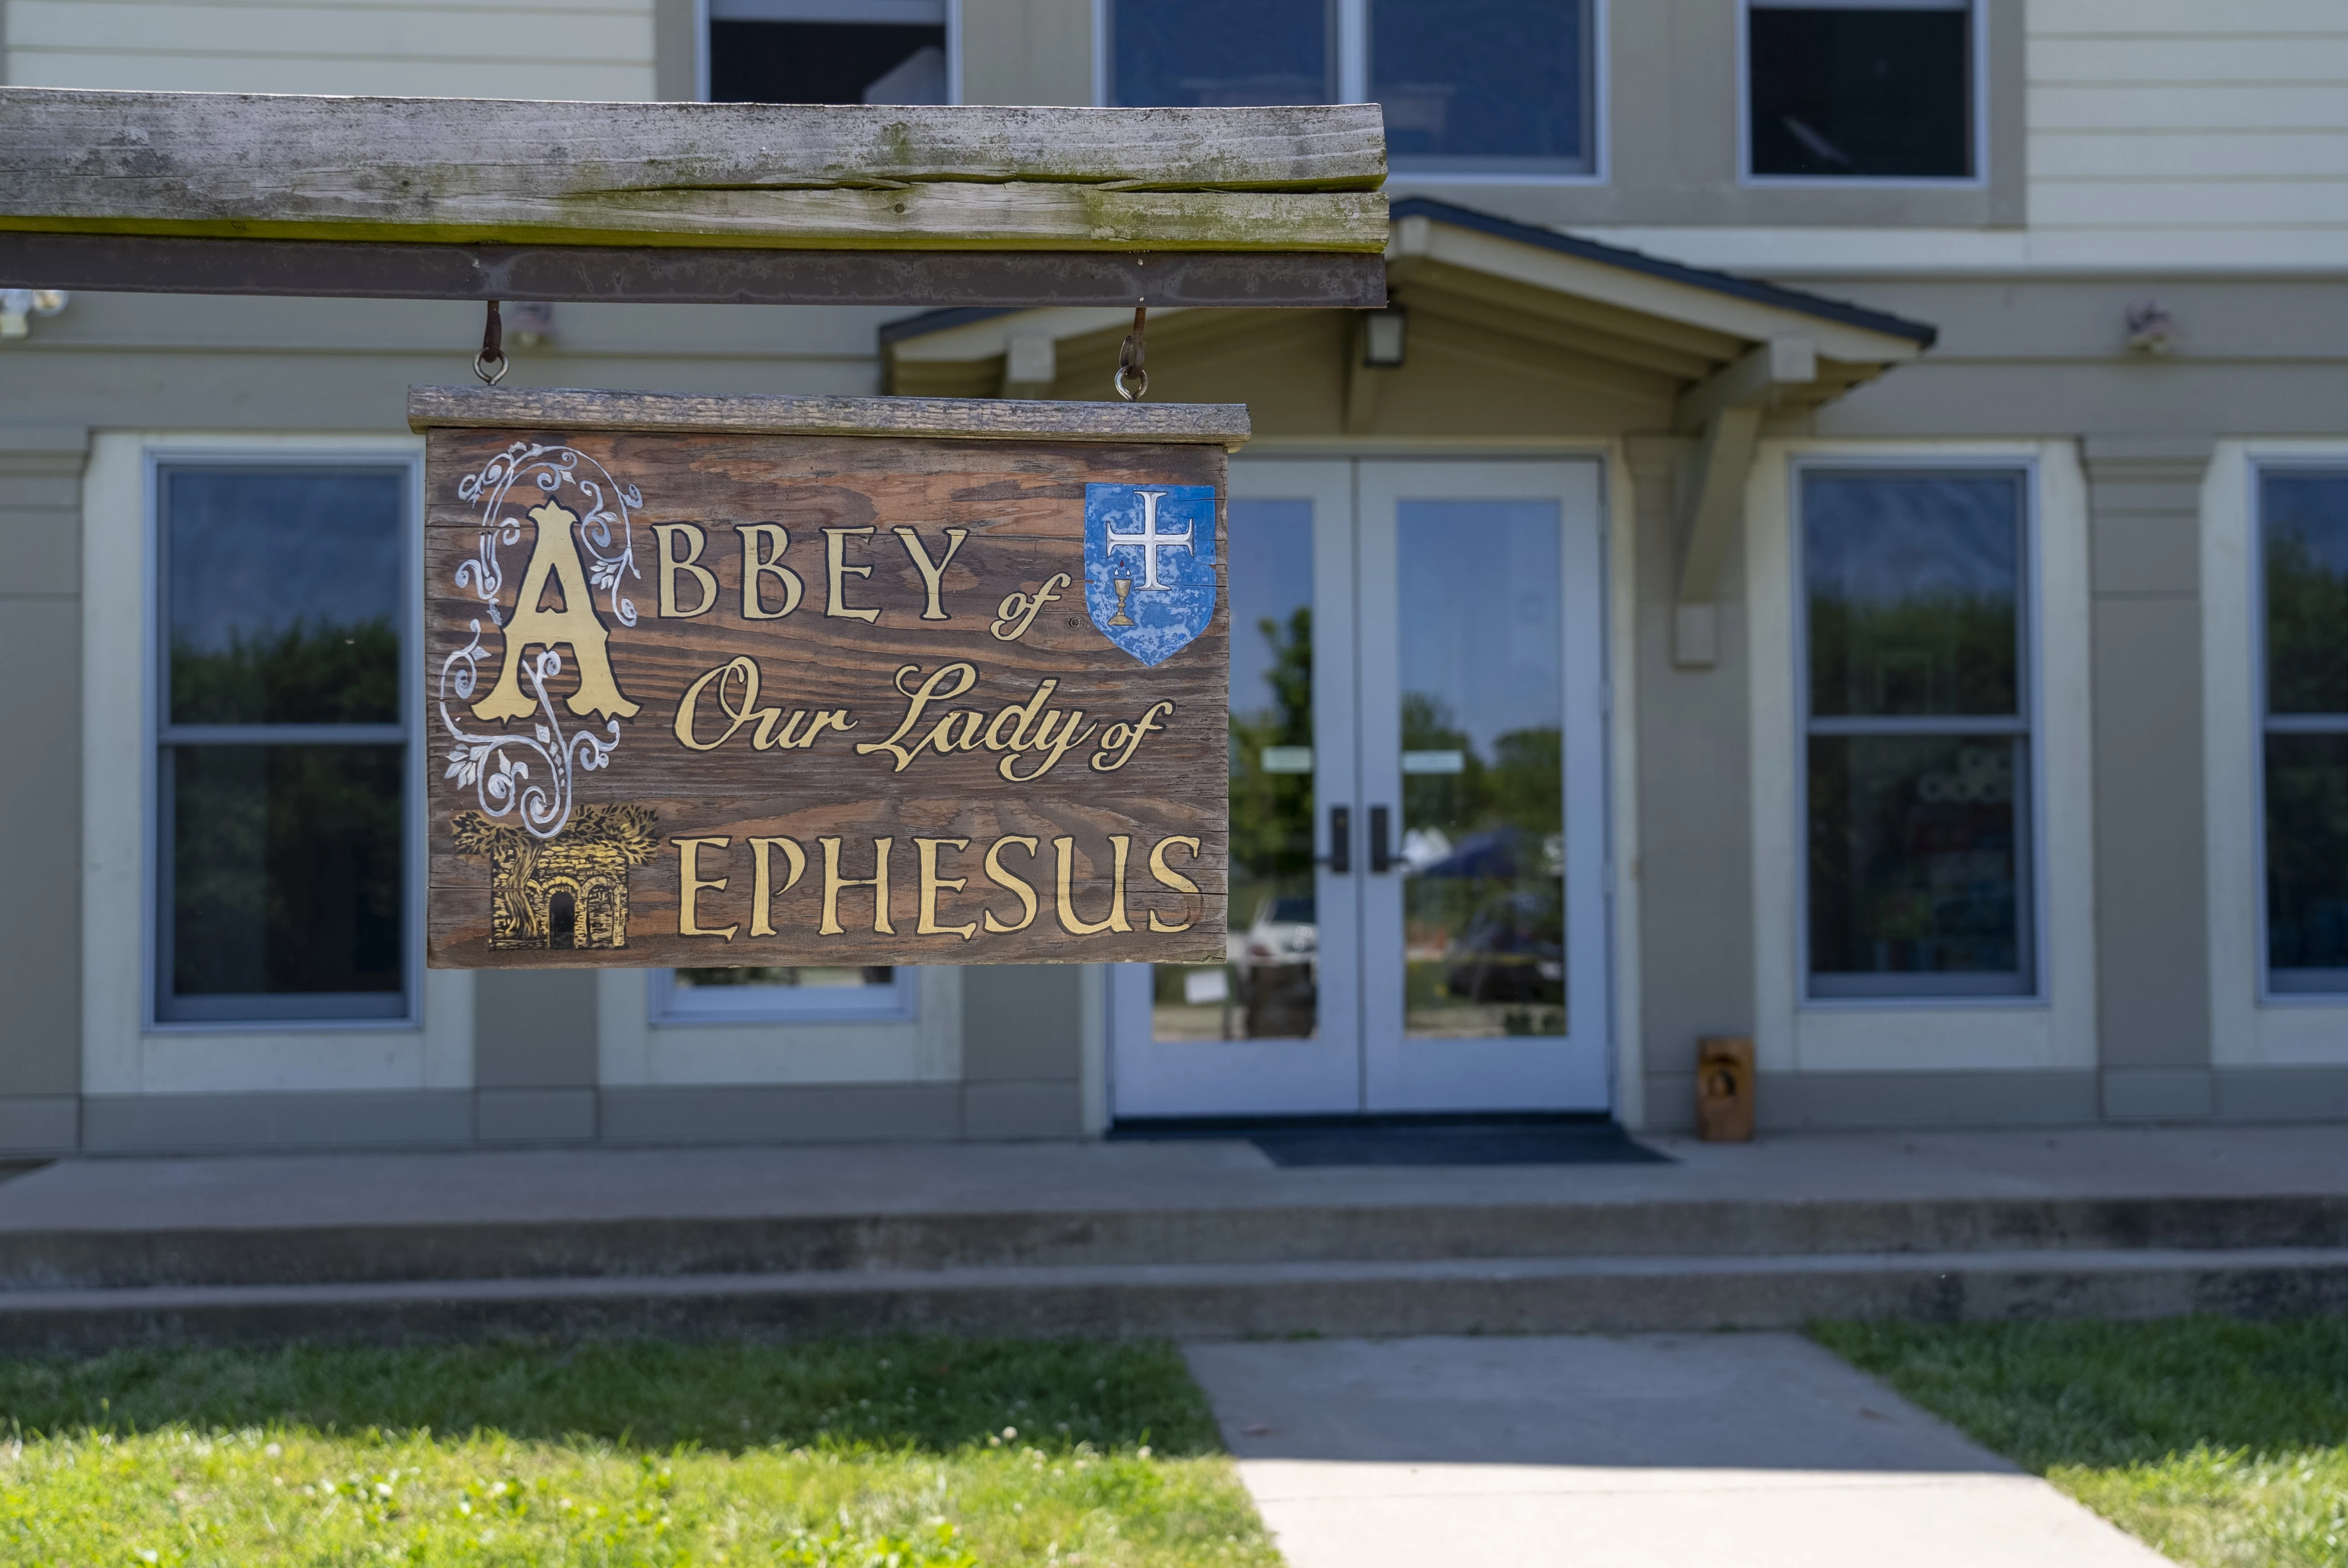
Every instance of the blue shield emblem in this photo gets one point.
(1149, 565)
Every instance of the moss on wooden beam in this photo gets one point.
(479, 171)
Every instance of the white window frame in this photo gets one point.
(156, 695)
(2249, 1024)
(1960, 1034)
(899, 1002)
(122, 1051)
(2030, 856)
(1978, 34)
(1352, 41)
(2258, 470)
(706, 11)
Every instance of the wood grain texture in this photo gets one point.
(1223, 425)
(491, 171)
(1019, 509)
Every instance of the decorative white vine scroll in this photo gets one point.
(498, 767)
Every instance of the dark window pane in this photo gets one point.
(781, 975)
(285, 878)
(2307, 853)
(1914, 586)
(1915, 854)
(1482, 84)
(826, 62)
(2304, 525)
(284, 588)
(1217, 53)
(1847, 92)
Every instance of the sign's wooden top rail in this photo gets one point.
(1221, 425)
(486, 171)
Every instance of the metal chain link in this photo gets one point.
(493, 349)
(1130, 361)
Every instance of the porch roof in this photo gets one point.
(1683, 342)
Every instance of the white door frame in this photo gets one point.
(1509, 1072)
(1281, 1077)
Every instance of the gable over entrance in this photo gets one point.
(1507, 331)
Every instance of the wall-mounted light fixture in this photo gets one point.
(530, 322)
(1385, 337)
(18, 306)
(2150, 328)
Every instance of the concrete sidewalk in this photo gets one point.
(1718, 1450)
(251, 1192)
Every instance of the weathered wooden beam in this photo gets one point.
(477, 171)
(147, 264)
(1223, 425)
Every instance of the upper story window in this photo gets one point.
(1862, 90)
(2303, 537)
(1472, 87)
(828, 52)
(1918, 744)
(284, 888)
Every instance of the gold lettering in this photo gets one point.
(1064, 849)
(1002, 878)
(943, 740)
(1059, 745)
(1167, 876)
(1018, 611)
(671, 563)
(740, 668)
(1022, 714)
(836, 571)
(1125, 739)
(833, 882)
(769, 738)
(932, 690)
(762, 885)
(690, 887)
(556, 555)
(932, 884)
(755, 565)
(831, 719)
(933, 576)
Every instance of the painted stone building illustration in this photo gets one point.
(568, 891)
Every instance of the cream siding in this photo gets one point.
(2151, 120)
(581, 49)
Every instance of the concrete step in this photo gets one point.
(1537, 1296)
(443, 1249)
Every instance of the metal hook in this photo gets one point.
(1130, 360)
(493, 349)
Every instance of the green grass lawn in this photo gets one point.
(874, 1454)
(2217, 1443)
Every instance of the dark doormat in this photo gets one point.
(1373, 1140)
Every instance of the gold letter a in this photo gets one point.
(556, 555)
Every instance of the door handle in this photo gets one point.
(1340, 859)
(1381, 853)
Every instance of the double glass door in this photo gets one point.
(1417, 853)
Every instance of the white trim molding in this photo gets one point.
(2054, 1029)
(122, 1052)
(636, 1050)
(2247, 1028)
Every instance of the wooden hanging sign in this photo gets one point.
(752, 680)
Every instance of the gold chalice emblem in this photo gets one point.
(1124, 585)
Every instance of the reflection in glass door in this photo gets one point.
(1418, 905)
